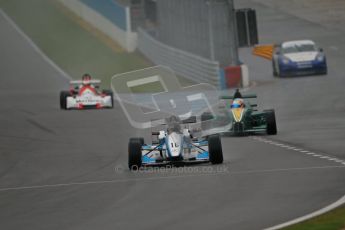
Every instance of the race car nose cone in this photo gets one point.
(237, 114)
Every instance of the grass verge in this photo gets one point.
(71, 46)
(72, 43)
(334, 220)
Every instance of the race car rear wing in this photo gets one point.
(245, 96)
(80, 82)
(189, 120)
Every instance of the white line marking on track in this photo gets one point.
(335, 160)
(320, 155)
(332, 159)
(289, 148)
(336, 204)
(324, 157)
(34, 46)
(143, 179)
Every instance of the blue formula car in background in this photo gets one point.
(174, 146)
(298, 58)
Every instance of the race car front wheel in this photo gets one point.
(63, 99)
(271, 122)
(215, 149)
(134, 153)
(109, 93)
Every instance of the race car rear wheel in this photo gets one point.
(63, 99)
(141, 139)
(109, 93)
(134, 153)
(271, 122)
(215, 149)
(275, 74)
(275, 66)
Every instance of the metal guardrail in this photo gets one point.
(185, 64)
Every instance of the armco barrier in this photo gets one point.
(188, 65)
(222, 81)
(107, 16)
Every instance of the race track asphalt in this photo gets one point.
(67, 169)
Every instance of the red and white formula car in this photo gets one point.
(85, 94)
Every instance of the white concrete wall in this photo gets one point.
(245, 76)
(126, 39)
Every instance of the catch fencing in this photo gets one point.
(201, 27)
(188, 65)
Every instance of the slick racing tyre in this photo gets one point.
(63, 99)
(134, 153)
(271, 122)
(215, 149)
(275, 74)
(141, 139)
(109, 93)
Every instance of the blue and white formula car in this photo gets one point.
(174, 146)
(298, 58)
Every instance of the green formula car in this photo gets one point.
(244, 117)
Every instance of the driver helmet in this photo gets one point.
(174, 124)
(86, 79)
(237, 94)
(237, 103)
